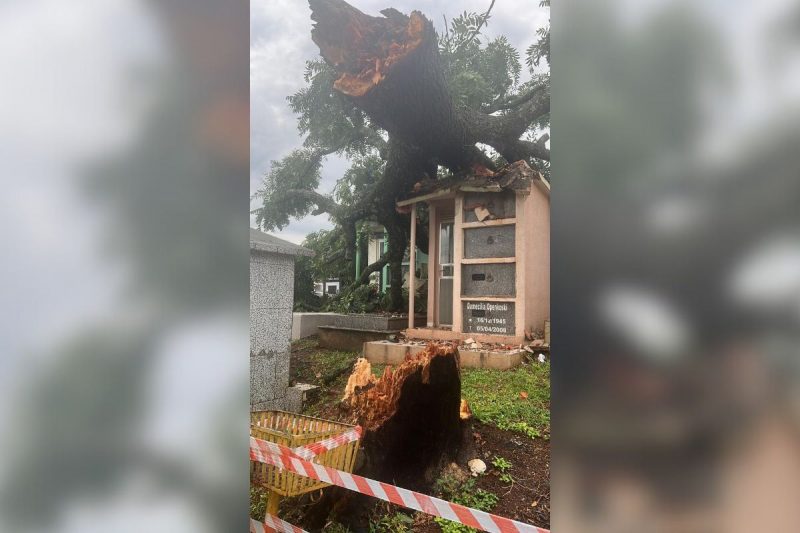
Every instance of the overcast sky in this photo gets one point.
(280, 46)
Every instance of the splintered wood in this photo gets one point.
(373, 400)
(412, 427)
(363, 48)
(411, 415)
(361, 377)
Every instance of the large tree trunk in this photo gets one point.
(390, 68)
(404, 165)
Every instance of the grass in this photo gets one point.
(329, 369)
(258, 503)
(321, 366)
(465, 493)
(494, 397)
(391, 523)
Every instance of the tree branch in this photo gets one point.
(324, 203)
(374, 267)
(513, 102)
(514, 124)
(503, 132)
(532, 149)
(476, 31)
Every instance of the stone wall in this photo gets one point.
(271, 300)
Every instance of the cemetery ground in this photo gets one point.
(509, 432)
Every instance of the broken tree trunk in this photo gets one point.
(412, 425)
(411, 416)
(390, 68)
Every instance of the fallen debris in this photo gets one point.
(465, 413)
(481, 213)
(477, 467)
(361, 377)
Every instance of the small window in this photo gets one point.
(332, 289)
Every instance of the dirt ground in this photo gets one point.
(526, 498)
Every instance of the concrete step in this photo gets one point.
(299, 395)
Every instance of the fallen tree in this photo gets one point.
(391, 88)
(390, 68)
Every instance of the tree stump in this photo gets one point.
(412, 428)
(411, 417)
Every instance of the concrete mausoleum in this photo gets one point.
(271, 301)
(489, 250)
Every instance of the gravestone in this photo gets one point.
(495, 279)
(490, 241)
(271, 303)
(494, 318)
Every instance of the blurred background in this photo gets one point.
(124, 136)
(676, 265)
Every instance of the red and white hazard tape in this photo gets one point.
(399, 496)
(273, 523)
(309, 451)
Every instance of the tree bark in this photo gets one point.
(363, 279)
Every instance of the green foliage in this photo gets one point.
(300, 170)
(477, 75)
(329, 261)
(362, 299)
(391, 523)
(503, 465)
(258, 503)
(494, 397)
(304, 297)
(365, 172)
(465, 493)
(481, 73)
(326, 117)
(541, 48)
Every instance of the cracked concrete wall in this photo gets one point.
(271, 301)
